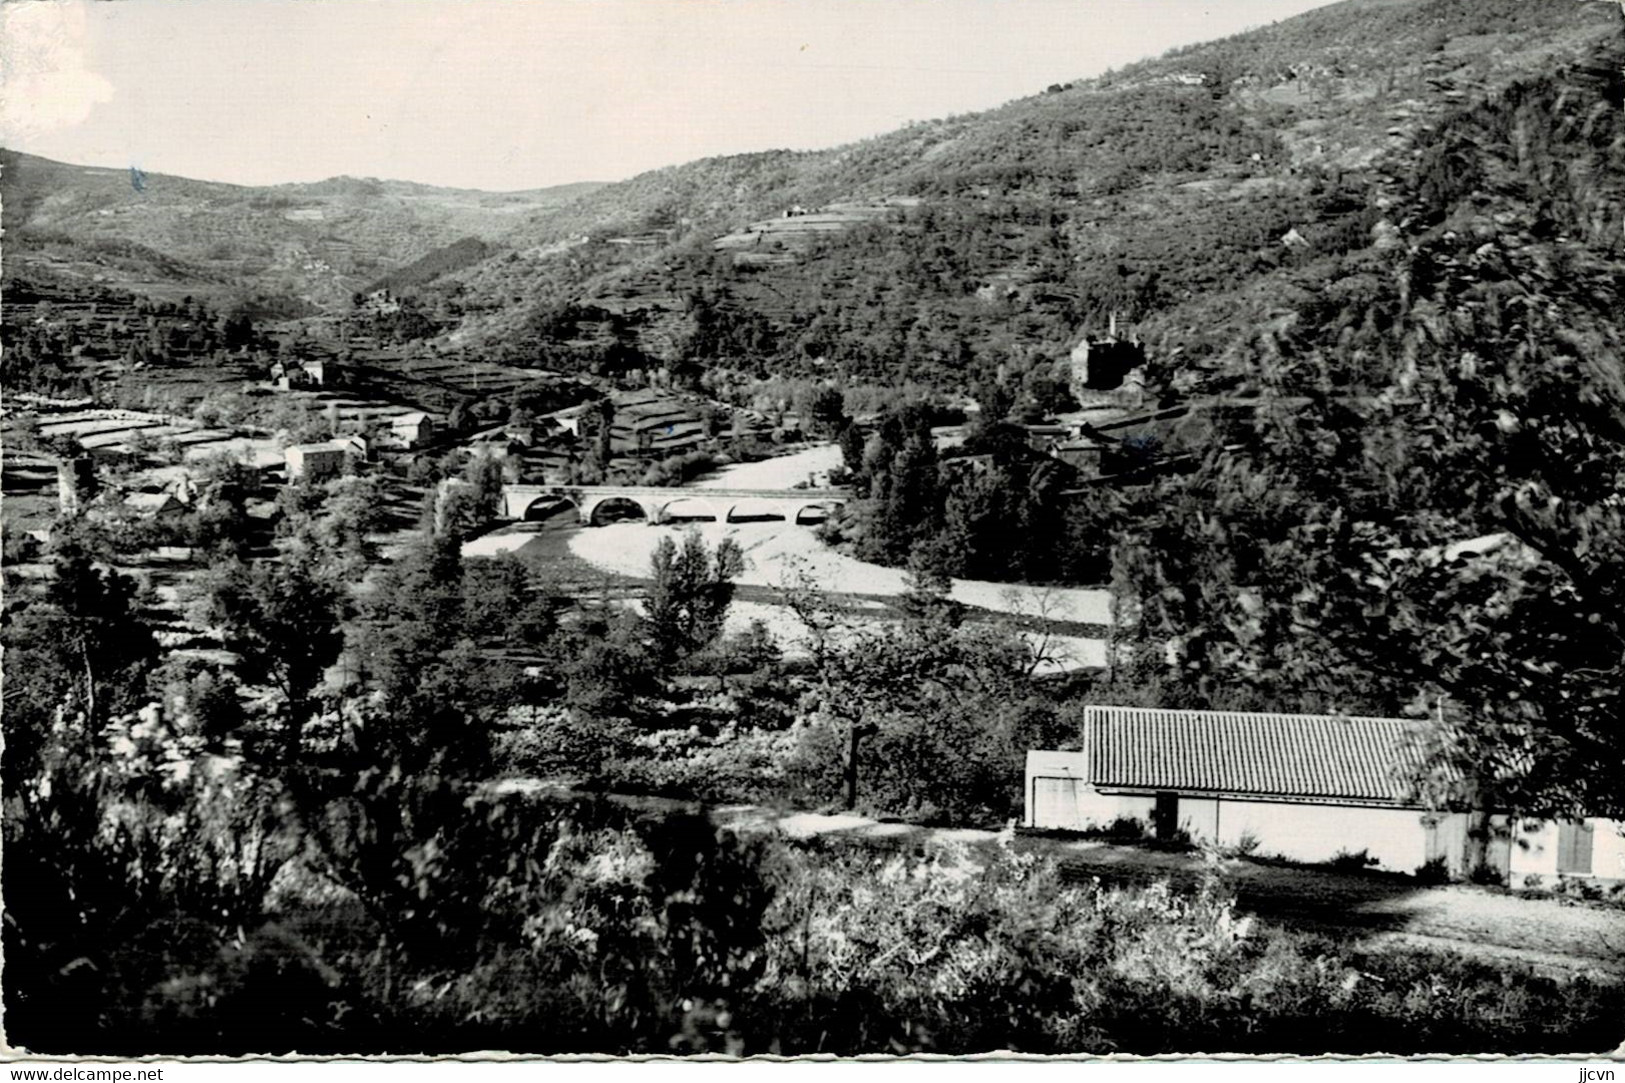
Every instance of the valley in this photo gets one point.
(1135, 570)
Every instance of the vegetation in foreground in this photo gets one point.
(472, 922)
(285, 860)
(226, 877)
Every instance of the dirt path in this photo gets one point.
(1554, 936)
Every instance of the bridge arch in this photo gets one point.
(548, 505)
(753, 511)
(825, 508)
(689, 506)
(619, 507)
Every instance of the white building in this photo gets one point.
(1302, 787)
(569, 419)
(411, 430)
(317, 462)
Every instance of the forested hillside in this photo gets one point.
(1462, 379)
(1195, 195)
(163, 235)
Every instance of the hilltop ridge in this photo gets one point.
(307, 245)
(1193, 195)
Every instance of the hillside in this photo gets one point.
(311, 243)
(1195, 195)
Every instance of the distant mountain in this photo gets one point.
(165, 235)
(1199, 196)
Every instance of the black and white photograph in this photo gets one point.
(703, 530)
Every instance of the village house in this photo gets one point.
(1108, 373)
(160, 505)
(357, 443)
(412, 430)
(319, 462)
(568, 420)
(293, 375)
(1306, 788)
(522, 433)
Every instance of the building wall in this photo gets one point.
(1059, 796)
(315, 464)
(1608, 854)
(1397, 838)
(1535, 847)
(1401, 840)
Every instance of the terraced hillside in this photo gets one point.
(293, 245)
(1191, 195)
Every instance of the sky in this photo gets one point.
(511, 94)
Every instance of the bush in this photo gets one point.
(679, 469)
(1122, 829)
(1351, 861)
(558, 740)
(733, 766)
(1244, 846)
(1178, 842)
(1433, 871)
(1578, 887)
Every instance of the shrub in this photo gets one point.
(1244, 846)
(1122, 829)
(1177, 842)
(561, 740)
(1351, 861)
(1578, 887)
(735, 765)
(1433, 871)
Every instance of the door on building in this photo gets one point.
(1165, 815)
(1055, 803)
(1574, 848)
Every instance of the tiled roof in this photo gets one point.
(1323, 757)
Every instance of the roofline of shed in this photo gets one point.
(1274, 798)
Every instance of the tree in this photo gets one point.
(827, 412)
(602, 434)
(852, 447)
(607, 667)
(689, 596)
(923, 719)
(236, 329)
(484, 473)
(76, 656)
(461, 418)
(220, 523)
(1433, 526)
(283, 618)
(411, 616)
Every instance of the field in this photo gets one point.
(440, 375)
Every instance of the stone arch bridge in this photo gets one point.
(657, 505)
